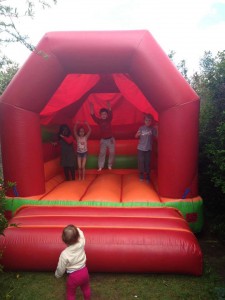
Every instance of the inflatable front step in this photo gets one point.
(156, 240)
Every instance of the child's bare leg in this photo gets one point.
(79, 162)
(83, 167)
(83, 174)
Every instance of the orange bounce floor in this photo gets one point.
(105, 186)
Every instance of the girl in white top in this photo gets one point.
(72, 260)
(81, 137)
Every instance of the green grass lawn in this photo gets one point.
(41, 286)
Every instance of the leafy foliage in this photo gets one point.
(8, 17)
(3, 188)
(3, 221)
(6, 74)
(181, 65)
(8, 14)
(211, 88)
(210, 85)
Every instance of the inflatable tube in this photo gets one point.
(117, 240)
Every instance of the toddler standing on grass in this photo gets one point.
(72, 260)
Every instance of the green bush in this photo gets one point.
(210, 86)
(3, 189)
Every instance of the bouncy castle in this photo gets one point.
(122, 217)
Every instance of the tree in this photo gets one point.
(3, 189)
(183, 69)
(181, 65)
(7, 73)
(8, 16)
(210, 85)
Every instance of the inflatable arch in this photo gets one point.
(137, 57)
(130, 226)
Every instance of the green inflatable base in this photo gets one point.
(192, 211)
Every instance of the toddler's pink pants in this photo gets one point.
(76, 279)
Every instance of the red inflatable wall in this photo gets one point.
(154, 240)
(131, 55)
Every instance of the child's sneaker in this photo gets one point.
(99, 169)
(109, 167)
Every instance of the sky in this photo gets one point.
(187, 27)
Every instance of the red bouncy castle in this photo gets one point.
(122, 217)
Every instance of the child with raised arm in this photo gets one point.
(72, 260)
(107, 140)
(145, 134)
(82, 149)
